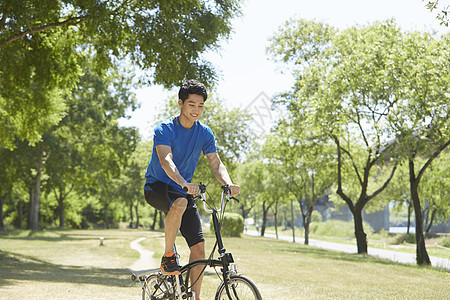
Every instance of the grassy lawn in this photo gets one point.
(69, 264)
(435, 246)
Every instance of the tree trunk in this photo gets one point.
(433, 215)
(292, 221)
(61, 210)
(62, 196)
(137, 215)
(409, 217)
(307, 223)
(30, 206)
(422, 257)
(2, 224)
(155, 217)
(161, 220)
(244, 212)
(275, 219)
(265, 211)
(361, 237)
(106, 216)
(36, 195)
(131, 216)
(20, 214)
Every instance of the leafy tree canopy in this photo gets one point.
(43, 42)
(443, 10)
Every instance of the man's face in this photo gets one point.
(192, 108)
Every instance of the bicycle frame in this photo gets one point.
(224, 261)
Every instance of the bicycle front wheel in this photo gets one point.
(240, 287)
(157, 287)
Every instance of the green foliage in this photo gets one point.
(287, 48)
(336, 228)
(434, 190)
(44, 43)
(409, 238)
(380, 94)
(446, 241)
(316, 217)
(250, 176)
(443, 8)
(81, 155)
(232, 225)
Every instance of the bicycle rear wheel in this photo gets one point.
(241, 288)
(157, 287)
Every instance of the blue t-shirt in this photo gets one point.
(186, 145)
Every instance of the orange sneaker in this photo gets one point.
(169, 265)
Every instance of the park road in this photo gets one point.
(396, 256)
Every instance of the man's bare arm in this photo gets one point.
(165, 158)
(221, 173)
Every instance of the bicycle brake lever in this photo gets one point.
(236, 199)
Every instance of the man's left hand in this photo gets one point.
(234, 189)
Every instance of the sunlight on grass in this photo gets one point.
(62, 264)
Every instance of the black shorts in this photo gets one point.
(162, 196)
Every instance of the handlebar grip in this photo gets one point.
(225, 188)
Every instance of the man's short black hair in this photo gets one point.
(192, 86)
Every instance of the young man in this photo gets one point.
(177, 145)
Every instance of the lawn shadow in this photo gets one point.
(47, 236)
(17, 267)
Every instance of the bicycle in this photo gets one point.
(234, 286)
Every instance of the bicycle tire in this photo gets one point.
(241, 288)
(157, 287)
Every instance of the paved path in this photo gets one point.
(396, 256)
(146, 260)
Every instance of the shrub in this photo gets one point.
(446, 241)
(232, 225)
(337, 228)
(316, 217)
(409, 238)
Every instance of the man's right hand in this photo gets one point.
(192, 188)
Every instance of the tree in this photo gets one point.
(422, 121)
(435, 190)
(251, 175)
(132, 180)
(443, 8)
(94, 105)
(346, 85)
(398, 192)
(7, 179)
(87, 142)
(381, 92)
(306, 160)
(43, 43)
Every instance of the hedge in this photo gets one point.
(232, 225)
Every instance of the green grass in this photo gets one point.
(70, 264)
(342, 232)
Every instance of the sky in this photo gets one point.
(247, 76)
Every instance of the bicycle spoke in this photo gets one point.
(240, 288)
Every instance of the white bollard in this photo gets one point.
(101, 241)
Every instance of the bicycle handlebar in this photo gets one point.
(225, 195)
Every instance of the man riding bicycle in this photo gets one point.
(177, 145)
